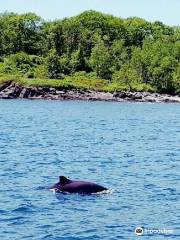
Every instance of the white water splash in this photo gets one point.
(108, 191)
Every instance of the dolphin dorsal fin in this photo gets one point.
(63, 180)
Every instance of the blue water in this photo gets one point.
(131, 148)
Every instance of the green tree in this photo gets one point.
(132, 49)
(77, 61)
(137, 30)
(53, 64)
(127, 76)
(100, 60)
(176, 79)
(21, 33)
(118, 54)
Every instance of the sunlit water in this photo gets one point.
(131, 148)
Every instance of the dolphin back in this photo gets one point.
(82, 187)
(71, 186)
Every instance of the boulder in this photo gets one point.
(120, 94)
(24, 93)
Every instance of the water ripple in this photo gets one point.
(130, 148)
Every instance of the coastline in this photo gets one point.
(12, 90)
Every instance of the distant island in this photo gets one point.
(92, 56)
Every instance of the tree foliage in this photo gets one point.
(128, 50)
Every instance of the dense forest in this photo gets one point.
(131, 54)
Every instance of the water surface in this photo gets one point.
(129, 147)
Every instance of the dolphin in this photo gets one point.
(75, 186)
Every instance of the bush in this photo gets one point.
(41, 71)
(20, 63)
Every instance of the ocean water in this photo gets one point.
(131, 148)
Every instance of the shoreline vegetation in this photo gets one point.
(21, 90)
(92, 56)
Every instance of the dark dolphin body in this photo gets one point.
(71, 186)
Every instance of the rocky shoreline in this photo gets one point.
(11, 90)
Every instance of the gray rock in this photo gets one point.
(120, 94)
(11, 90)
(24, 93)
